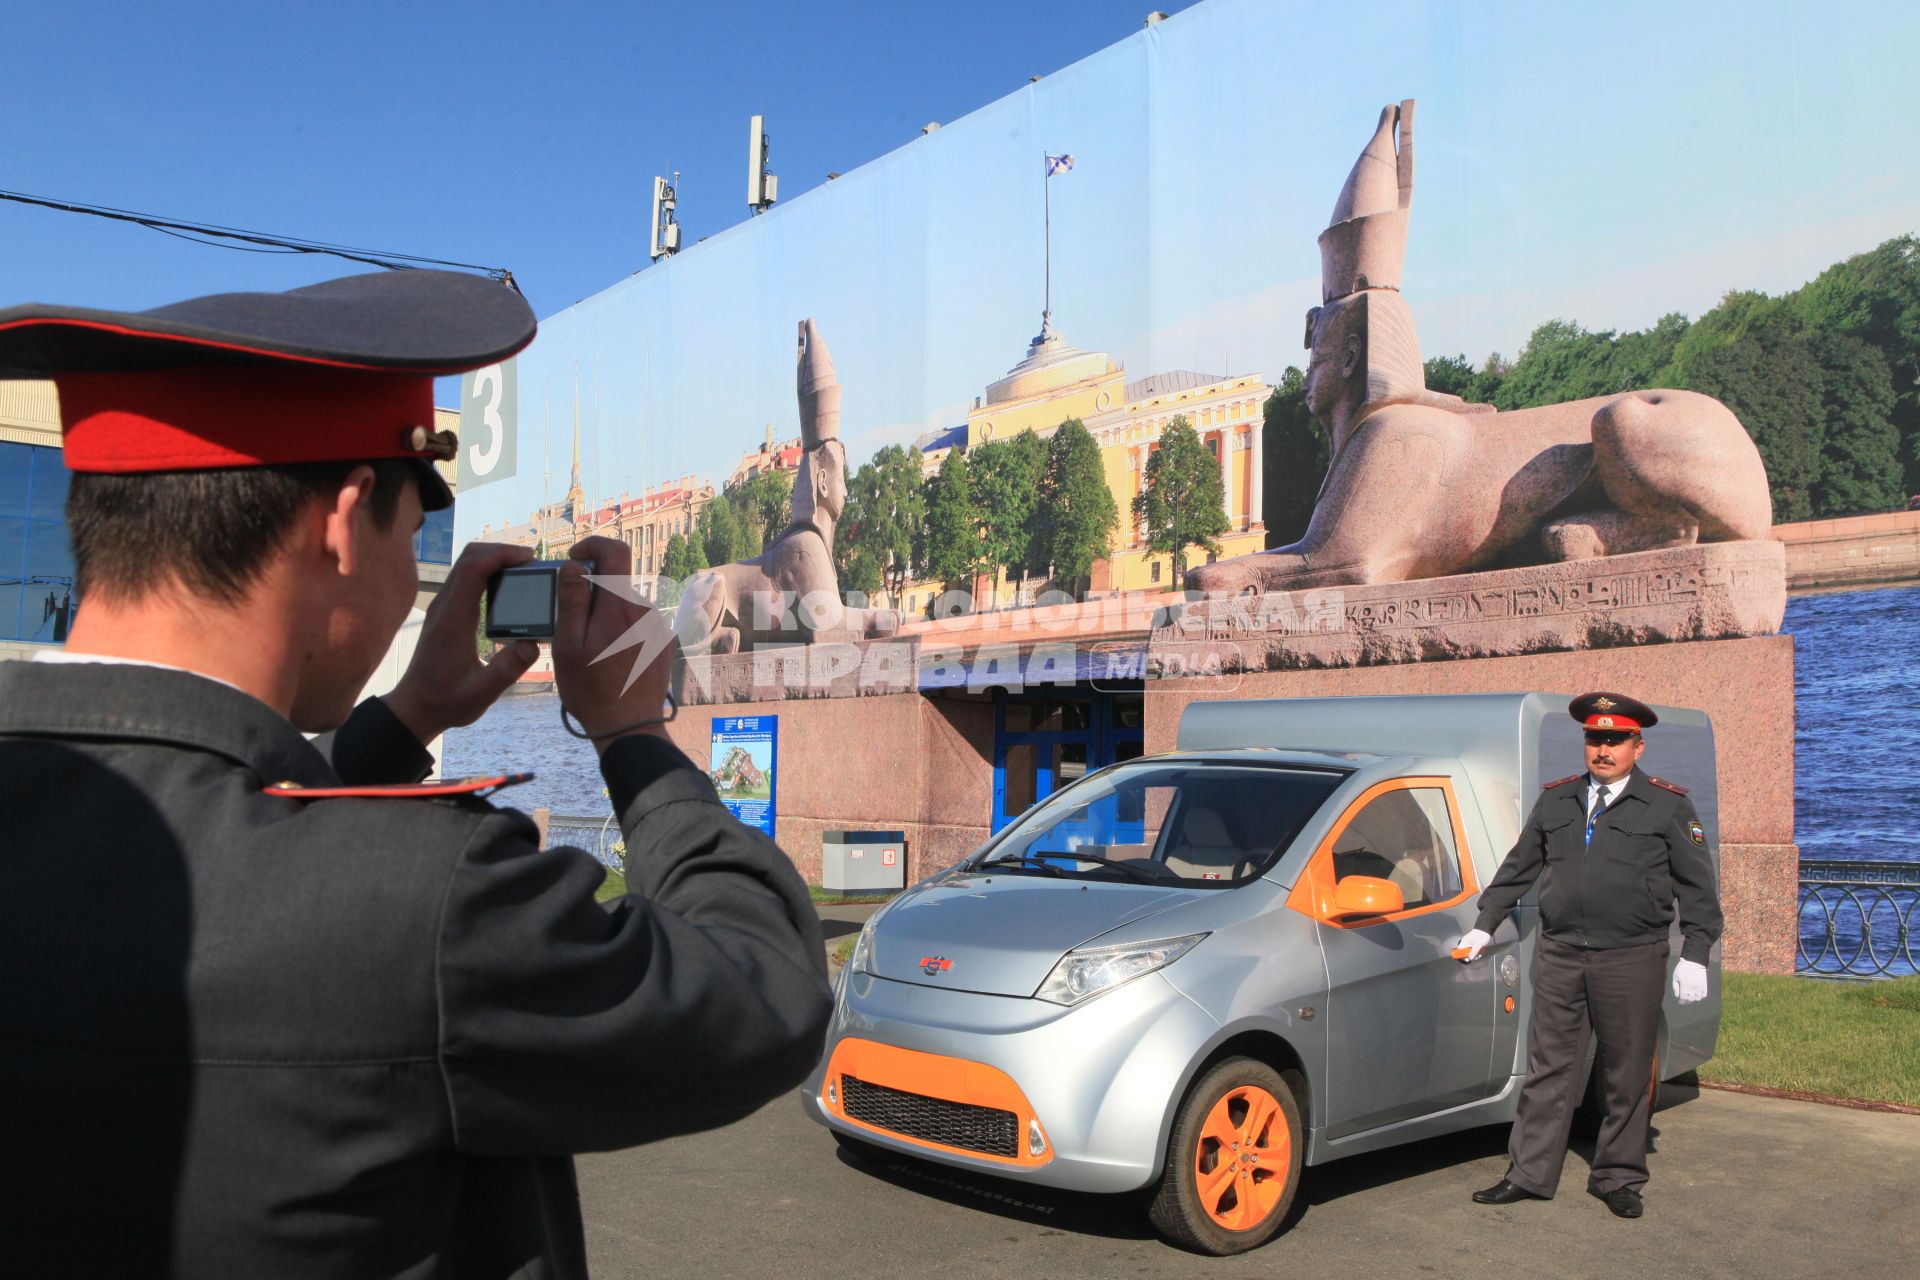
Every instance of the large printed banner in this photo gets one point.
(1608, 172)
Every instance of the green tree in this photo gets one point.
(1078, 515)
(1769, 378)
(1456, 376)
(1295, 460)
(1449, 375)
(764, 505)
(1180, 499)
(881, 524)
(1003, 478)
(1566, 362)
(953, 535)
(1875, 297)
(1860, 467)
(719, 533)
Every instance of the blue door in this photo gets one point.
(1044, 740)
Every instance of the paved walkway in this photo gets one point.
(840, 921)
(1742, 1186)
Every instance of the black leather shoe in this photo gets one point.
(1504, 1192)
(1623, 1202)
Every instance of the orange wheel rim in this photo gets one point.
(1241, 1161)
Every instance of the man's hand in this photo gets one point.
(1690, 982)
(1472, 944)
(446, 684)
(599, 637)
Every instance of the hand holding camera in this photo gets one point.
(446, 684)
(612, 654)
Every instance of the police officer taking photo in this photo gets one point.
(1612, 850)
(274, 1007)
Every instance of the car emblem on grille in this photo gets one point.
(933, 966)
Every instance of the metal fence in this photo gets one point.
(598, 836)
(1859, 919)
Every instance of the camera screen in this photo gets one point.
(523, 600)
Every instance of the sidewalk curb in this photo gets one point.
(1792, 1095)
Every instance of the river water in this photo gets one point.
(1857, 736)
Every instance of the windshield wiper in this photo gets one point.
(1021, 860)
(1132, 869)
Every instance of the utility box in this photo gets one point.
(863, 861)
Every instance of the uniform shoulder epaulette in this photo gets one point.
(1664, 785)
(401, 790)
(1561, 782)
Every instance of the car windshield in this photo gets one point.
(1166, 822)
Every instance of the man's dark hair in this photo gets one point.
(211, 531)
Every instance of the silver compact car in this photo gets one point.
(1204, 970)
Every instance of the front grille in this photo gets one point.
(914, 1115)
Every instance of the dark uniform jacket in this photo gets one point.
(1648, 852)
(246, 1036)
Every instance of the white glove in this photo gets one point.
(1690, 982)
(1473, 944)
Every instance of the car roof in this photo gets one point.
(1346, 761)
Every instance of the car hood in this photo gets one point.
(1002, 934)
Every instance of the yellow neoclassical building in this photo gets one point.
(1057, 381)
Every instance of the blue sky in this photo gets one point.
(1602, 165)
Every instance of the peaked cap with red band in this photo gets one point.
(335, 372)
(1612, 712)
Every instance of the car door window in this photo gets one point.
(1405, 832)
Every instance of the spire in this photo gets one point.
(576, 500)
(574, 482)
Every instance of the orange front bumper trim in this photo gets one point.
(930, 1075)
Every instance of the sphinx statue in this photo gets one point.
(1422, 484)
(790, 592)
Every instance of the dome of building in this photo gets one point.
(1051, 363)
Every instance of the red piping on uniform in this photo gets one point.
(196, 419)
(405, 790)
(217, 345)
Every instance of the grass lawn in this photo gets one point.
(614, 885)
(1848, 1040)
(821, 895)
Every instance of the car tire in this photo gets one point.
(1233, 1160)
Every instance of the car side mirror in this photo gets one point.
(1358, 897)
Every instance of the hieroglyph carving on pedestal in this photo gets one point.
(789, 593)
(1423, 484)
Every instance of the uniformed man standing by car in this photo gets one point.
(269, 1011)
(1613, 850)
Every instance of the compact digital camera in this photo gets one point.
(524, 600)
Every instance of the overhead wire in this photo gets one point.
(262, 241)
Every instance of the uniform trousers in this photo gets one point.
(1615, 992)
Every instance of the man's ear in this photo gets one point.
(1355, 349)
(349, 520)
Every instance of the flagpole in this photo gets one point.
(1046, 202)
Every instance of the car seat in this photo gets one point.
(1207, 850)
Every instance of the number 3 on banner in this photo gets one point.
(487, 386)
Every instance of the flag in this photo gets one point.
(1059, 164)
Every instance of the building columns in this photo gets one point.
(1256, 477)
(1226, 470)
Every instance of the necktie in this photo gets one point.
(1599, 807)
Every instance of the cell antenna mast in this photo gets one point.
(666, 229)
(762, 187)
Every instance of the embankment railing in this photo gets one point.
(1859, 919)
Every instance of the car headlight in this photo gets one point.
(863, 959)
(1087, 972)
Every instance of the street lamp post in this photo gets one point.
(897, 583)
